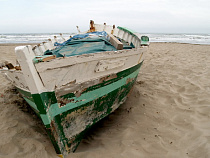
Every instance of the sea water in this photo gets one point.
(41, 37)
(30, 37)
(180, 38)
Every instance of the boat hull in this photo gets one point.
(67, 117)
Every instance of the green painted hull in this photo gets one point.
(67, 123)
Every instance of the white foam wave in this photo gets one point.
(180, 38)
(29, 38)
(38, 38)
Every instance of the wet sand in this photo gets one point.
(166, 116)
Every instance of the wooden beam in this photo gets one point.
(92, 28)
(25, 58)
(78, 29)
(115, 42)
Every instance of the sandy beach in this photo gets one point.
(167, 114)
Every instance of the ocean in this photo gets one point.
(30, 37)
(180, 38)
(41, 37)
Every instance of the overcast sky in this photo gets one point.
(144, 16)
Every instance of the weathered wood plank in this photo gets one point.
(73, 60)
(107, 28)
(36, 51)
(62, 38)
(25, 56)
(47, 45)
(41, 48)
(49, 58)
(115, 42)
(62, 71)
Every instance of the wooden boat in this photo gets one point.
(79, 82)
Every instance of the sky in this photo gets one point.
(144, 16)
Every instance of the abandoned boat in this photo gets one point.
(73, 84)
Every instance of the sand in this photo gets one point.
(166, 116)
